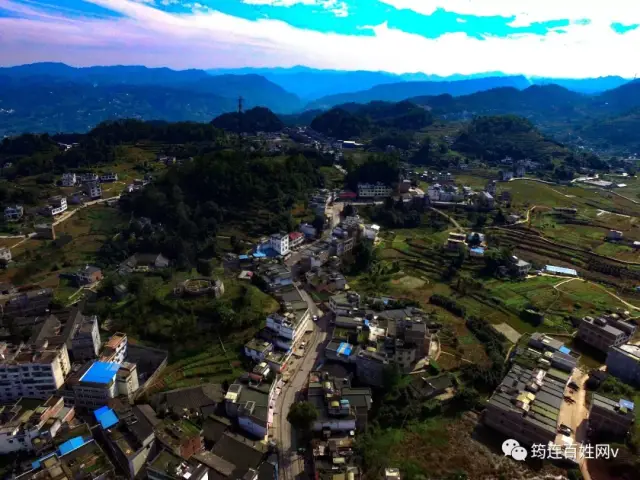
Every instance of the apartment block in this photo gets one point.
(115, 350)
(280, 243)
(32, 371)
(605, 331)
(623, 362)
(526, 406)
(610, 416)
(289, 325)
(372, 190)
(85, 340)
(251, 400)
(344, 303)
(33, 302)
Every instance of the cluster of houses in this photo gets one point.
(474, 244)
(517, 169)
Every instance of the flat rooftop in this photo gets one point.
(630, 350)
(101, 372)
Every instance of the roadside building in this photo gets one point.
(203, 399)
(69, 179)
(526, 406)
(623, 362)
(167, 466)
(295, 239)
(612, 417)
(93, 385)
(280, 243)
(92, 189)
(5, 254)
(371, 365)
(13, 213)
(45, 231)
(109, 177)
(251, 401)
(274, 275)
(605, 331)
(344, 303)
(373, 190)
(85, 338)
(88, 275)
(257, 349)
(371, 232)
(57, 205)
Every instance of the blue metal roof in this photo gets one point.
(344, 349)
(561, 270)
(564, 350)
(259, 255)
(101, 372)
(477, 250)
(627, 404)
(243, 257)
(106, 417)
(71, 445)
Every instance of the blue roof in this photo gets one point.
(101, 372)
(243, 257)
(259, 255)
(344, 349)
(71, 445)
(106, 417)
(477, 250)
(627, 404)
(564, 350)
(562, 270)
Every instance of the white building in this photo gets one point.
(252, 403)
(296, 239)
(371, 231)
(109, 177)
(32, 371)
(93, 189)
(95, 386)
(280, 243)
(14, 213)
(372, 190)
(5, 254)
(289, 327)
(57, 205)
(69, 179)
(88, 177)
(115, 350)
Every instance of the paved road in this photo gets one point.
(292, 464)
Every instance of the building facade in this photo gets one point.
(623, 362)
(372, 190)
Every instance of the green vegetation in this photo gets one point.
(258, 119)
(302, 415)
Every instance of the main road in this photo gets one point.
(291, 464)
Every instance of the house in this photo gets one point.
(250, 402)
(32, 302)
(69, 179)
(519, 267)
(615, 235)
(623, 362)
(85, 276)
(88, 177)
(344, 303)
(180, 437)
(485, 200)
(371, 232)
(109, 177)
(513, 218)
(519, 171)
(14, 213)
(405, 186)
(143, 262)
(45, 231)
(96, 383)
(373, 190)
(167, 466)
(295, 239)
(57, 205)
(280, 243)
(610, 416)
(5, 254)
(308, 230)
(425, 388)
(257, 349)
(491, 188)
(371, 365)
(274, 275)
(505, 176)
(85, 337)
(203, 399)
(606, 331)
(115, 349)
(350, 144)
(526, 406)
(93, 189)
(342, 246)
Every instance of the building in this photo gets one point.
(32, 371)
(340, 407)
(92, 189)
(605, 331)
(69, 179)
(85, 276)
(526, 406)
(289, 325)
(88, 177)
(611, 417)
(128, 434)
(371, 232)
(85, 340)
(554, 352)
(5, 254)
(615, 235)
(505, 176)
(275, 275)
(519, 171)
(280, 243)
(236, 457)
(14, 213)
(257, 349)
(45, 231)
(182, 438)
(57, 205)
(115, 350)
(295, 239)
(30, 424)
(127, 382)
(251, 400)
(342, 246)
(485, 200)
(491, 188)
(203, 399)
(373, 190)
(518, 267)
(309, 230)
(371, 365)
(32, 302)
(143, 262)
(325, 280)
(93, 385)
(456, 242)
(623, 362)
(167, 466)
(109, 177)
(344, 303)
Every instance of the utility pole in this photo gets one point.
(240, 103)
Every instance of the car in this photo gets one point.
(565, 430)
(315, 318)
(303, 344)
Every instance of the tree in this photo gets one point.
(302, 415)
(204, 267)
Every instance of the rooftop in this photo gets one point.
(101, 372)
(174, 433)
(240, 451)
(622, 407)
(629, 350)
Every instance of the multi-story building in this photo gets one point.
(519, 267)
(555, 352)
(69, 179)
(623, 362)
(372, 190)
(5, 254)
(605, 331)
(257, 349)
(45, 231)
(115, 350)
(127, 382)
(13, 213)
(280, 243)
(57, 205)
(295, 239)
(526, 406)
(342, 246)
(32, 371)
(29, 424)
(85, 340)
(33, 302)
(251, 401)
(167, 466)
(93, 385)
(88, 177)
(612, 417)
(93, 189)
(344, 303)
(182, 438)
(109, 177)
(371, 365)
(275, 275)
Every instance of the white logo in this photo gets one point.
(511, 448)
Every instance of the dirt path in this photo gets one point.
(450, 218)
(452, 355)
(624, 302)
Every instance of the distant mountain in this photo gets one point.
(619, 132)
(52, 97)
(257, 119)
(298, 119)
(583, 85)
(353, 120)
(395, 92)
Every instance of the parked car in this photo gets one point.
(565, 430)
(315, 318)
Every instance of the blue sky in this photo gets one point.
(561, 38)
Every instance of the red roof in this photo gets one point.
(295, 235)
(348, 195)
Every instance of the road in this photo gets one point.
(291, 464)
(450, 218)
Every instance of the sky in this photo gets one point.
(554, 38)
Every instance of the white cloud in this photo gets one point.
(207, 39)
(531, 11)
(337, 7)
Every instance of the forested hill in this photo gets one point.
(257, 119)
